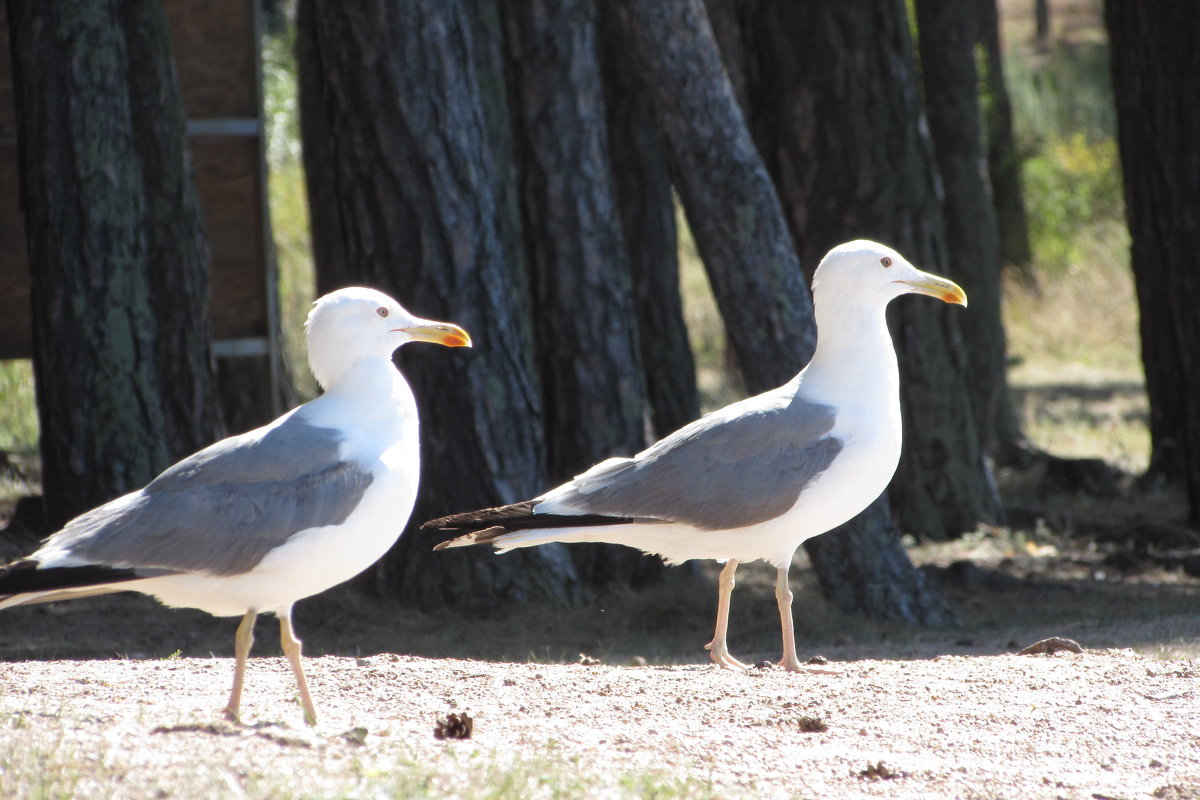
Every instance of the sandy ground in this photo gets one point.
(117, 697)
(1099, 724)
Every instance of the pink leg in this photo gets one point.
(242, 642)
(717, 647)
(783, 596)
(291, 648)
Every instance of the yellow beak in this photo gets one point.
(444, 333)
(943, 289)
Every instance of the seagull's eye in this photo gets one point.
(886, 261)
(381, 311)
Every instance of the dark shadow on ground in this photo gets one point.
(666, 624)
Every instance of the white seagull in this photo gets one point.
(255, 522)
(753, 480)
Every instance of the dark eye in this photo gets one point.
(381, 311)
(886, 261)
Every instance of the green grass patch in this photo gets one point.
(18, 408)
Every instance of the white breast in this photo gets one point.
(316, 559)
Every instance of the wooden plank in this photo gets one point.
(226, 174)
(216, 56)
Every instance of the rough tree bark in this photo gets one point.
(1004, 162)
(176, 249)
(836, 111)
(404, 198)
(646, 205)
(582, 287)
(586, 338)
(743, 239)
(724, 188)
(81, 190)
(1156, 80)
(946, 41)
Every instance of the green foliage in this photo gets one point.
(1065, 128)
(717, 380)
(1072, 185)
(1061, 92)
(280, 98)
(288, 201)
(18, 409)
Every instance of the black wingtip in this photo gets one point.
(26, 575)
(481, 518)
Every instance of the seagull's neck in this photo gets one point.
(373, 387)
(855, 360)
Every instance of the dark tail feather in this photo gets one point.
(474, 520)
(488, 524)
(516, 517)
(23, 577)
(476, 537)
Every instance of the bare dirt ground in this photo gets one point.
(1101, 724)
(912, 714)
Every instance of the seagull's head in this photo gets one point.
(356, 323)
(867, 271)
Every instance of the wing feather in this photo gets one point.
(223, 509)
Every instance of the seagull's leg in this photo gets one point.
(291, 648)
(717, 647)
(242, 642)
(783, 596)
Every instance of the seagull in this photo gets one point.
(255, 522)
(754, 480)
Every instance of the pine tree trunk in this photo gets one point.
(584, 318)
(176, 249)
(1156, 80)
(582, 286)
(646, 205)
(402, 186)
(947, 50)
(724, 17)
(1004, 162)
(887, 587)
(82, 193)
(739, 226)
(1041, 16)
(836, 111)
(725, 190)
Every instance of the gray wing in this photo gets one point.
(223, 509)
(721, 472)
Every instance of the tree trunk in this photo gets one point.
(1004, 162)
(582, 287)
(82, 193)
(1156, 80)
(1041, 28)
(947, 50)
(836, 111)
(724, 18)
(176, 249)
(888, 587)
(743, 239)
(646, 205)
(393, 118)
(487, 25)
(584, 321)
(724, 188)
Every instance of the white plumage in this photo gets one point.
(754, 480)
(258, 521)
